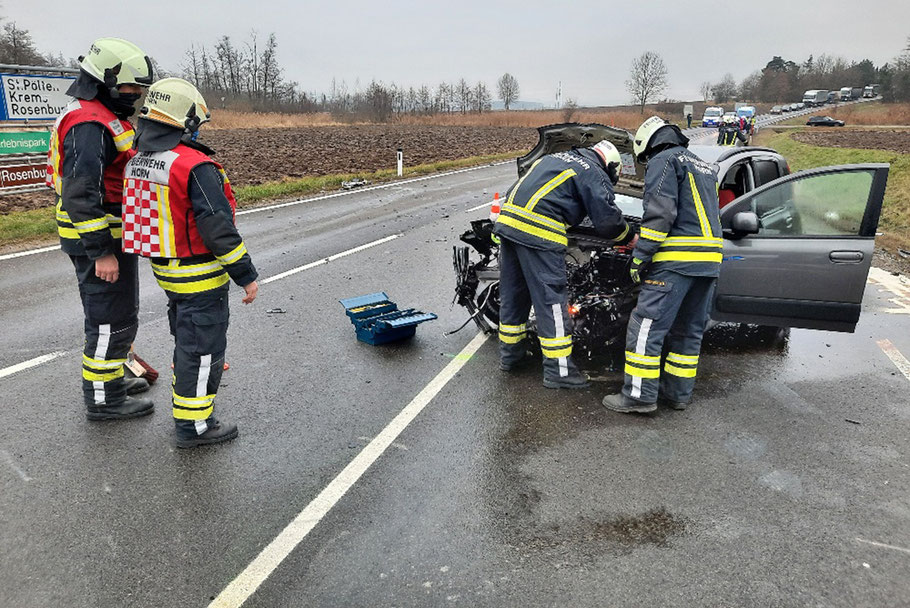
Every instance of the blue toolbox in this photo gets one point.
(377, 319)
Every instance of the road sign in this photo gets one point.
(688, 109)
(22, 175)
(25, 142)
(31, 97)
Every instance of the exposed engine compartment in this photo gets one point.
(601, 293)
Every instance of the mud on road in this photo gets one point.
(895, 140)
(255, 156)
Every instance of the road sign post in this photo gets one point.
(400, 162)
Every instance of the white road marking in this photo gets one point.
(331, 258)
(12, 369)
(367, 189)
(9, 460)
(882, 545)
(896, 357)
(896, 284)
(246, 583)
(10, 256)
(487, 204)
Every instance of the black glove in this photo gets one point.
(613, 172)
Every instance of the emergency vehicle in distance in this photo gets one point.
(712, 117)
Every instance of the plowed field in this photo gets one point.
(896, 140)
(254, 156)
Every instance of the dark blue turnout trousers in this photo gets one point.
(534, 277)
(672, 308)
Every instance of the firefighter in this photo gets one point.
(179, 211)
(90, 144)
(677, 260)
(729, 132)
(558, 191)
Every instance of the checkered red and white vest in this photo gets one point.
(158, 220)
(80, 111)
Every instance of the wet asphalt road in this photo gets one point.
(770, 491)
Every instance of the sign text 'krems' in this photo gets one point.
(32, 97)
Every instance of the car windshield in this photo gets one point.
(710, 112)
(629, 205)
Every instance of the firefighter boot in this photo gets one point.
(574, 380)
(626, 405)
(676, 405)
(215, 433)
(516, 365)
(134, 386)
(130, 408)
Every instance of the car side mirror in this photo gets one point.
(745, 222)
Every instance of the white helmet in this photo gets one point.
(177, 103)
(608, 154)
(644, 134)
(729, 119)
(114, 61)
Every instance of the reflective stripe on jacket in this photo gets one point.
(680, 228)
(557, 192)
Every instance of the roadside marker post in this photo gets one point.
(400, 162)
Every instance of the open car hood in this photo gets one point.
(565, 136)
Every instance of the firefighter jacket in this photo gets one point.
(680, 226)
(557, 192)
(728, 135)
(89, 149)
(178, 209)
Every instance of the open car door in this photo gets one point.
(797, 250)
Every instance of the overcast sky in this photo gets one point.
(588, 45)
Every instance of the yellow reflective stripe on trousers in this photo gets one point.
(700, 209)
(520, 181)
(687, 256)
(192, 408)
(642, 372)
(235, 254)
(681, 372)
(102, 363)
(106, 377)
(532, 230)
(513, 328)
(642, 359)
(195, 286)
(652, 235)
(535, 217)
(549, 187)
(550, 353)
(682, 359)
(511, 338)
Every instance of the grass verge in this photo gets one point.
(895, 220)
(32, 227)
(251, 195)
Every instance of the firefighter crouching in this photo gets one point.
(558, 191)
(677, 260)
(179, 211)
(90, 146)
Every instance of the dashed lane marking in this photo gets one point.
(331, 258)
(246, 583)
(10, 256)
(896, 357)
(12, 369)
(882, 545)
(12, 464)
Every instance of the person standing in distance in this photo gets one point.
(179, 211)
(90, 145)
(558, 191)
(677, 260)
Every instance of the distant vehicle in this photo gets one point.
(712, 116)
(856, 93)
(799, 106)
(777, 110)
(815, 97)
(747, 111)
(832, 96)
(824, 121)
(872, 90)
(731, 115)
(846, 93)
(786, 108)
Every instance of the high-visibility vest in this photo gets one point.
(81, 111)
(158, 219)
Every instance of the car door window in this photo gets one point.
(830, 204)
(766, 171)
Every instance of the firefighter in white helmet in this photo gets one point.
(179, 211)
(729, 133)
(90, 146)
(558, 191)
(677, 261)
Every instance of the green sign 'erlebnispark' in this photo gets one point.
(30, 142)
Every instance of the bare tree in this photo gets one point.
(482, 98)
(647, 78)
(725, 89)
(568, 109)
(464, 95)
(705, 89)
(508, 89)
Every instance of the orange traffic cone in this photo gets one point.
(494, 209)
